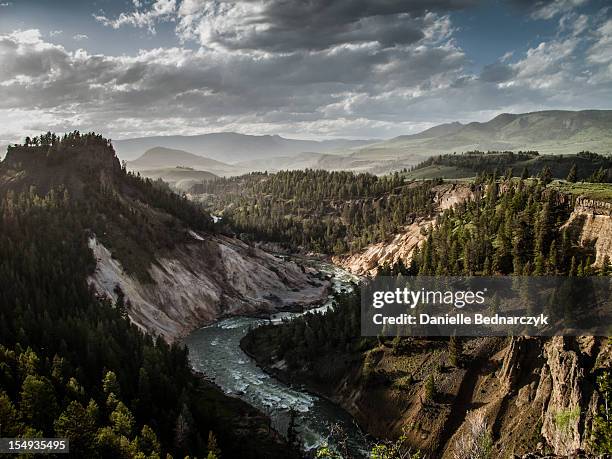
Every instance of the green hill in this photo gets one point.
(549, 132)
(471, 164)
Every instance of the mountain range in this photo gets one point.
(231, 147)
(549, 132)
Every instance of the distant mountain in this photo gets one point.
(299, 161)
(180, 178)
(434, 132)
(549, 132)
(231, 147)
(161, 158)
(328, 162)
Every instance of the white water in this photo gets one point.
(215, 351)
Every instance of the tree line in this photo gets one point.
(316, 210)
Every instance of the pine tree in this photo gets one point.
(601, 435)
(38, 402)
(545, 176)
(454, 351)
(77, 424)
(573, 174)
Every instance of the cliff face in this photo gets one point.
(533, 395)
(368, 261)
(593, 220)
(199, 282)
(530, 395)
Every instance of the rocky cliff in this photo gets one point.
(173, 279)
(210, 277)
(528, 395)
(593, 221)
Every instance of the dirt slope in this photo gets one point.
(403, 244)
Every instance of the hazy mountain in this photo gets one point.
(231, 147)
(323, 161)
(180, 178)
(162, 158)
(299, 161)
(549, 132)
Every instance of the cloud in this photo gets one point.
(55, 33)
(497, 72)
(319, 68)
(601, 50)
(141, 17)
(548, 9)
(215, 88)
(80, 37)
(283, 26)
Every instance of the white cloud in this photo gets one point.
(601, 51)
(548, 10)
(80, 37)
(258, 69)
(141, 17)
(55, 33)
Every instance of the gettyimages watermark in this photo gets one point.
(486, 306)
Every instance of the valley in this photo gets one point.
(249, 291)
(324, 229)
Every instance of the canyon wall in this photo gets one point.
(199, 282)
(593, 221)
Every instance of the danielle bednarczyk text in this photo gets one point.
(459, 319)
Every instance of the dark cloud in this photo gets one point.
(289, 26)
(497, 73)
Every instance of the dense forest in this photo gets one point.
(583, 166)
(515, 228)
(328, 212)
(71, 363)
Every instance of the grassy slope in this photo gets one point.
(597, 191)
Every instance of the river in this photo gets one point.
(215, 351)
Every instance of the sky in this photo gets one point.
(310, 69)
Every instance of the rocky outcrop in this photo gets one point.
(562, 417)
(198, 282)
(593, 221)
(547, 386)
(368, 261)
(401, 247)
